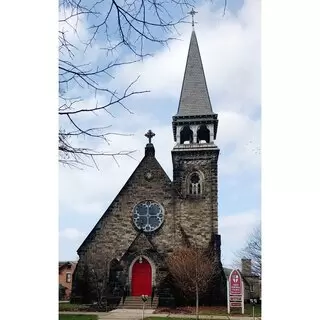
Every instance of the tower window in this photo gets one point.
(203, 134)
(186, 135)
(194, 184)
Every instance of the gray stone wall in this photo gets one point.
(187, 219)
(115, 232)
(197, 214)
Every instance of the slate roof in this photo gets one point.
(149, 152)
(194, 98)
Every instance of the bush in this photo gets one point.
(62, 292)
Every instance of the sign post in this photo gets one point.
(235, 291)
(228, 300)
(253, 301)
(242, 297)
(144, 298)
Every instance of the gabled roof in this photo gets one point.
(149, 154)
(140, 240)
(65, 263)
(194, 98)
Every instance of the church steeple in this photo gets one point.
(195, 154)
(194, 110)
(194, 98)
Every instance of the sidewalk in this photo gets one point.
(193, 316)
(136, 314)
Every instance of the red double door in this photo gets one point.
(141, 278)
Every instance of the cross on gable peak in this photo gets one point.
(150, 135)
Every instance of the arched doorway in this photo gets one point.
(141, 282)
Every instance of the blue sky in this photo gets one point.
(230, 50)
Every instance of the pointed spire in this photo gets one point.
(194, 98)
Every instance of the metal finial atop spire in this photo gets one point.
(192, 12)
(150, 135)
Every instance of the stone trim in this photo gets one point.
(153, 270)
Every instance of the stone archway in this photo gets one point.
(141, 278)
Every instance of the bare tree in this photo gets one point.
(97, 275)
(99, 280)
(252, 251)
(192, 270)
(121, 30)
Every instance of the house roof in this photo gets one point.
(194, 98)
(63, 263)
(245, 278)
(227, 271)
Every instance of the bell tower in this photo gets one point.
(195, 155)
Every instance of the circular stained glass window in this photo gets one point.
(148, 216)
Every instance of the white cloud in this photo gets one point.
(239, 141)
(73, 26)
(230, 51)
(234, 127)
(234, 230)
(71, 234)
(90, 191)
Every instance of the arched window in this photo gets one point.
(203, 134)
(186, 134)
(194, 184)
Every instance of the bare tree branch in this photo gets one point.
(118, 29)
(252, 251)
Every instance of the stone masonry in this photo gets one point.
(190, 204)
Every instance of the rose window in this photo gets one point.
(148, 216)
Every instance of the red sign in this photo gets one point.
(235, 304)
(235, 283)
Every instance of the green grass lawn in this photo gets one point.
(233, 311)
(217, 311)
(64, 306)
(77, 317)
(165, 318)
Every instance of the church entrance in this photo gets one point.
(141, 278)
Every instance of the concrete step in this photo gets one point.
(133, 302)
(139, 307)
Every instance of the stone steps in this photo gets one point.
(136, 303)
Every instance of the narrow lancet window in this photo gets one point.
(195, 184)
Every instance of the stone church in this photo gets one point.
(125, 253)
